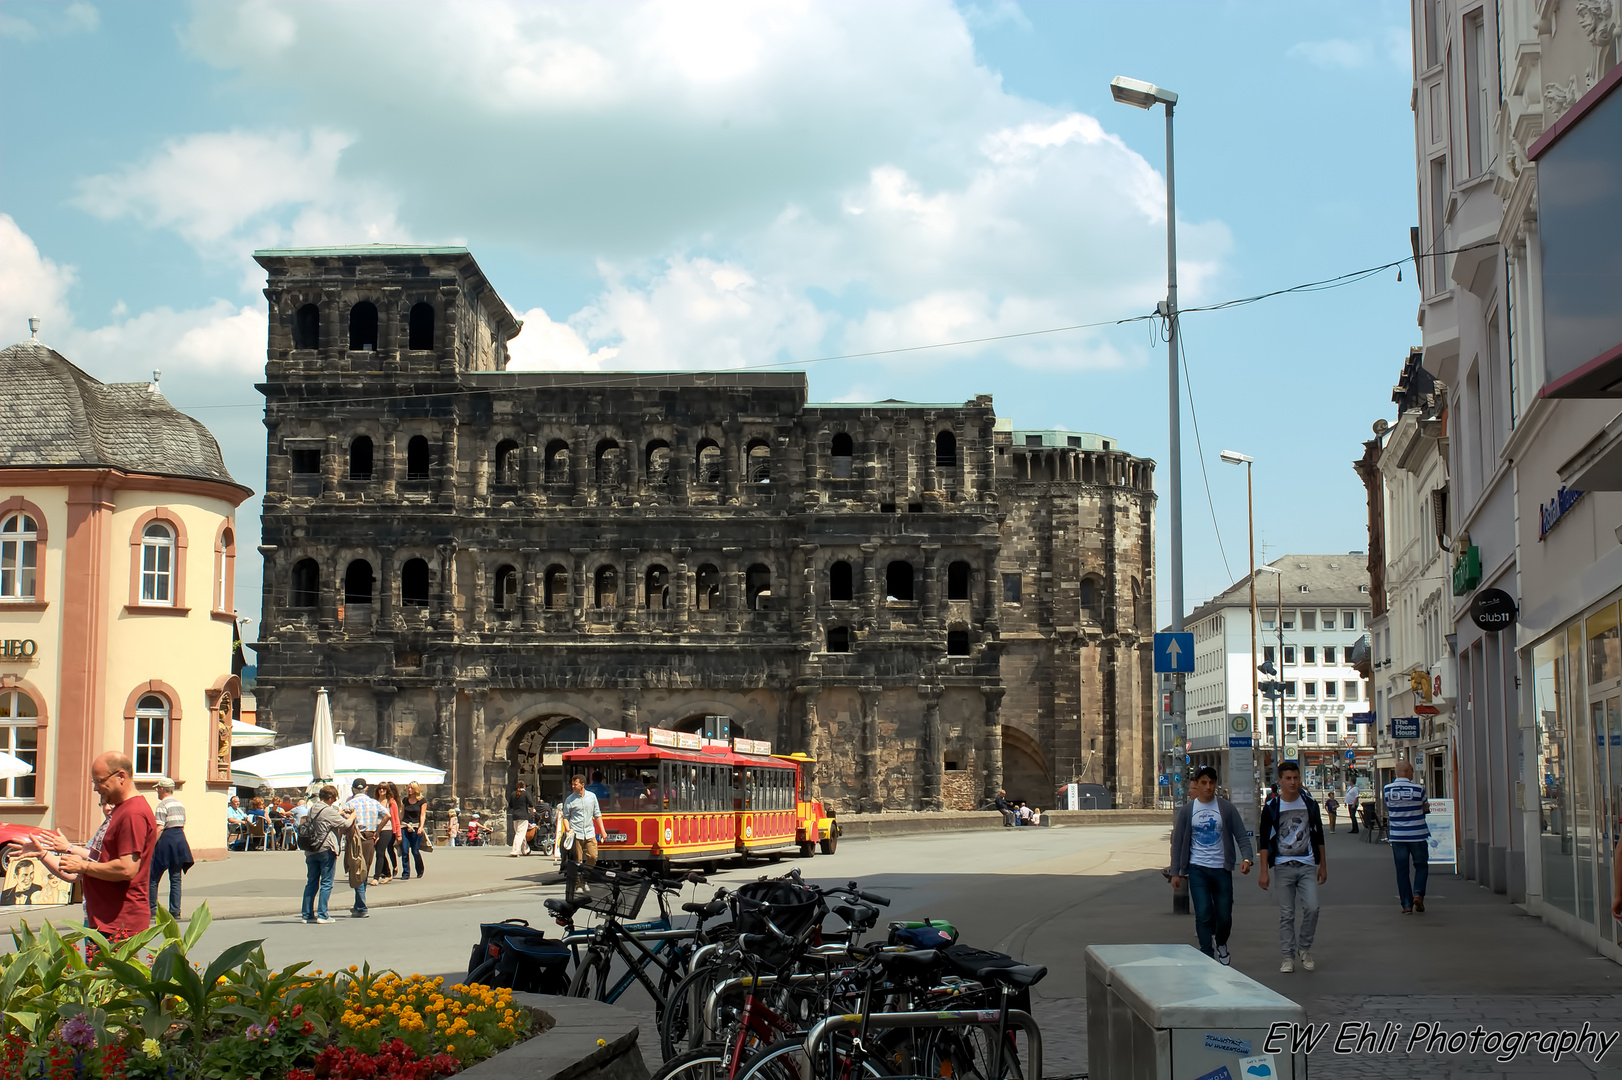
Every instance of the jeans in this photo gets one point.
(318, 868)
(1211, 890)
(175, 874)
(360, 898)
(387, 862)
(1295, 887)
(1419, 852)
(410, 851)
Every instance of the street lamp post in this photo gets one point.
(1247, 808)
(1146, 95)
(1278, 621)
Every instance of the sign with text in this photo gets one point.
(1442, 842)
(1492, 609)
(1405, 727)
(18, 649)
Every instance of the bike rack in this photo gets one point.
(1017, 1018)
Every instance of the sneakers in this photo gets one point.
(360, 914)
(1419, 904)
(307, 920)
(1288, 965)
(1308, 962)
(1222, 956)
(323, 920)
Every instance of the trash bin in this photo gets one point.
(1169, 1012)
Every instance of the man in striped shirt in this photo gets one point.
(362, 843)
(1405, 808)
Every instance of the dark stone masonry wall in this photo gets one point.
(474, 560)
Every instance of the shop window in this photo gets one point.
(839, 581)
(157, 564)
(151, 736)
(307, 327)
(414, 583)
(19, 557)
(420, 335)
(898, 581)
(19, 737)
(842, 451)
(304, 590)
(358, 581)
(957, 581)
(360, 458)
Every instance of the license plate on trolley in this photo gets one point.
(615, 838)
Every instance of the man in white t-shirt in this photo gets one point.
(1293, 858)
(1206, 836)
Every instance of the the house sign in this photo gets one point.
(1551, 512)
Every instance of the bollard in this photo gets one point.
(1179, 894)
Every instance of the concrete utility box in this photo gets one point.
(1169, 1012)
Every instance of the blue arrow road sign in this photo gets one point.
(1174, 654)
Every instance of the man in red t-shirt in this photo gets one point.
(117, 875)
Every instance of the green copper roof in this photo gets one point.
(360, 249)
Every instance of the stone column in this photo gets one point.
(683, 589)
(383, 708)
(931, 612)
(331, 593)
(390, 458)
(732, 587)
(447, 476)
(386, 619)
(473, 776)
(578, 586)
(446, 618)
(808, 589)
(992, 773)
(329, 468)
(630, 702)
(534, 490)
(871, 802)
(529, 591)
(732, 478)
(630, 591)
(932, 750)
(810, 739)
(926, 462)
(481, 467)
(579, 460)
(872, 591)
(445, 734)
(265, 694)
(993, 589)
(478, 603)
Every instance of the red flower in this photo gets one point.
(297, 1011)
(307, 1029)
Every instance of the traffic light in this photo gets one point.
(1271, 688)
(1266, 667)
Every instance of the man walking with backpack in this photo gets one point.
(1207, 835)
(318, 839)
(1293, 858)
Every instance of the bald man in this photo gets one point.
(1405, 809)
(116, 877)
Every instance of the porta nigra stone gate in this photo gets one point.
(485, 566)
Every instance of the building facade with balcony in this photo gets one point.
(486, 566)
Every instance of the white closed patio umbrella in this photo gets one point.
(322, 743)
(12, 766)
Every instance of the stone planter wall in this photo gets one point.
(581, 1040)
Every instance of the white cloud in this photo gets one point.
(50, 20)
(31, 285)
(1333, 53)
(544, 345)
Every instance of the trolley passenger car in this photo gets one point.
(675, 796)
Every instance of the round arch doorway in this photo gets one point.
(535, 758)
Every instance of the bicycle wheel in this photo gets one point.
(788, 1061)
(591, 977)
(965, 1054)
(704, 1063)
(681, 1023)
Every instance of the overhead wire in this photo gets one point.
(1199, 448)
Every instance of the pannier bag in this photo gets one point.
(514, 955)
(928, 934)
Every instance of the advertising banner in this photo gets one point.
(1443, 842)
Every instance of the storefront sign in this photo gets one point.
(1362, 718)
(18, 649)
(1405, 727)
(1552, 512)
(1493, 609)
(1466, 570)
(1442, 842)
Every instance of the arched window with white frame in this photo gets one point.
(151, 736)
(19, 557)
(19, 736)
(158, 564)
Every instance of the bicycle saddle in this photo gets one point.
(561, 908)
(708, 911)
(1019, 975)
(918, 962)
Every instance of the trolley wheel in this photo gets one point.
(808, 849)
(830, 843)
(712, 867)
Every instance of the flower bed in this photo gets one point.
(141, 1009)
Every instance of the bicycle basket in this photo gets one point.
(795, 909)
(619, 893)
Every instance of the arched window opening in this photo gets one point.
(304, 591)
(658, 465)
(358, 582)
(957, 643)
(158, 564)
(227, 568)
(307, 327)
(556, 588)
(957, 581)
(607, 591)
(19, 737)
(363, 326)
(709, 588)
(758, 587)
(414, 583)
(507, 589)
(760, 463)
(1092, 598)
(946, 450)
(898, 581)
(839, 581)
(709, 462)
(557, 462)
(1137, 602)
(420, 335)
(509, 462)
(360, 458)
(838, 639)
(610, 465)
(418, 460)
(151, 735)
(19, 557)
(656, 594)
(843, 452)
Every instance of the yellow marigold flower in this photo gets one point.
(151, 1048)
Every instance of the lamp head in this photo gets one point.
(1234, 457)
(1140, 94)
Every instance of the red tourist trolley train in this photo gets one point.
(675, 796)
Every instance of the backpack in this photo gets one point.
(928, 934)
(309, 834)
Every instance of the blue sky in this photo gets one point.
(691, 185)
